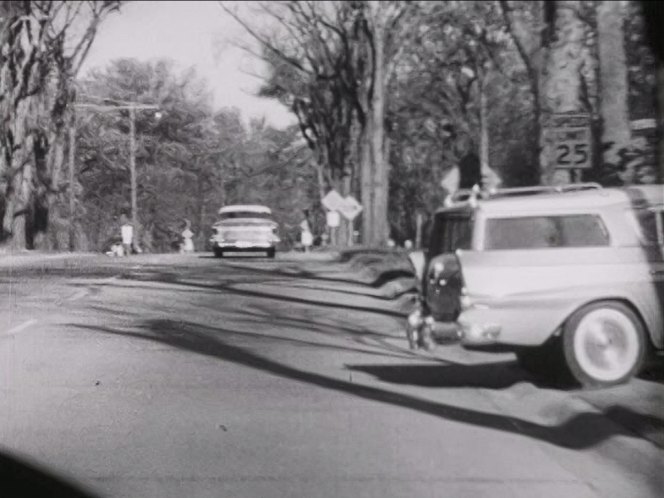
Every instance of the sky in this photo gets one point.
(192, 33)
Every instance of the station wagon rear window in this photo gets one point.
(537, 232)
(451, 231)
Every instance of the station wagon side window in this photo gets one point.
(539, 232)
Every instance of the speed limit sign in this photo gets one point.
(570, 139)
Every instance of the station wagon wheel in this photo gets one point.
(603, 344)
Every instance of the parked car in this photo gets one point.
(569, 277)
(244, 228)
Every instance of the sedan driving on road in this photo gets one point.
(245, 228)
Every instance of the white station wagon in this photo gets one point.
(244, 227)
(568, 277)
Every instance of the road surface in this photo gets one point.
(188, 376)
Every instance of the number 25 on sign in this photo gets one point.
(572, 148)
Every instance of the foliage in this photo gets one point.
(459, 50)
(330, 62)
(190, 161)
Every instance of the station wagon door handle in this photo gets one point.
(657, 272)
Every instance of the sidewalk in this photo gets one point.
(27, 258)
(387, 272)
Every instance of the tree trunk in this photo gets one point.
(199, 227)
(366, 172)
(562, 84)
(488, 178)
(72, 179)
(343, 229)
(381, 170)
(613, 80)
(660, 122)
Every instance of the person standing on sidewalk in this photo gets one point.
(127, 230)
(187, 238)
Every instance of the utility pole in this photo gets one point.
(132, 107)
(132, 172)
(72, 194)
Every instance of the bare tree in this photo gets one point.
(331, 62)
(42, 47)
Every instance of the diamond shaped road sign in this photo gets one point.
(347, 206)
(333, 201)
(351, 208)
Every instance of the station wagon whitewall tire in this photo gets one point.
(604, 344)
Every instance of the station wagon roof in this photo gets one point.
(247, 208)
(575, 200)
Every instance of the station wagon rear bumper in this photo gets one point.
(428, 330)
(479, 333)
(467, 333)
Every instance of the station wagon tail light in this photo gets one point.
(466, 302)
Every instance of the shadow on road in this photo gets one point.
(380, 279)
(498, 375)
(20, 479)
(582, 431)
(267, 338)
(378, 276)
(655, 373)
(168, 278)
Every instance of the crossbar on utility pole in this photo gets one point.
(116, 107)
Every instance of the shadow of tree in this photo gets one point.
(156, 276)
(21, 479)
(267, 338)
(498, 375)
(581, 431)
(348, 291)
(379, 279)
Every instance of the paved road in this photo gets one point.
(186, 376)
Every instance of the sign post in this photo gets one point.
(332, 219)
(350, 208)
(570, 139)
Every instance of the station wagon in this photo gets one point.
(573, 274)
